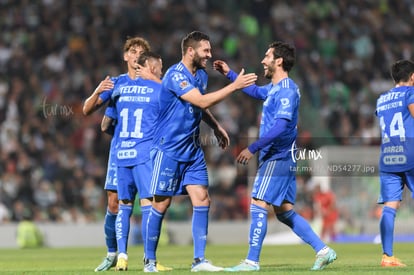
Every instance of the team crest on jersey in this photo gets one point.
(184, 84)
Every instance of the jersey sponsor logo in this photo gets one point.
(393, 149)
(390, 96)
(127, 154)
(128, 144)
(394, 159)
(257, 232)
(284, 113)
(137, 90)
(167, 173)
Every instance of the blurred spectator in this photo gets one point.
(28, 235)
(4, 214)
(326, 209)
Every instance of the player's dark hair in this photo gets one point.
(192, 39)
(146, 56)
(136, 41)
(402, 70)
(285, 51)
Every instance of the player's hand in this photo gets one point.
(105, 85)
(144, 72)
(244, 80)
(222, 137)
(221, 67)
(244, 156)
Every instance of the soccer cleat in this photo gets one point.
(204, 265)
(122, 265)
(160, 267)
(244, 266)
(150, 267)
(389, 261)
(107, 263)
(323, 260)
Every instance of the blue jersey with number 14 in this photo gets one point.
(137, 107)
(397, 129)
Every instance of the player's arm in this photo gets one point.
(207, 100)
(221, 134)
(253, 90)
(109, 119)
(278, 128)
(107, 125)
(94, 101)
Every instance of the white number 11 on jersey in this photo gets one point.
(138, 120)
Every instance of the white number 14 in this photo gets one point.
(396, 127)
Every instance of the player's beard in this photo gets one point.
(270, 70)
(198, 62)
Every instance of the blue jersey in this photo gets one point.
(178, 128)
(397, 129)
(280, 101)
(136, 103)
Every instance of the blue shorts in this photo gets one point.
(392, 185)
(133, 180)
(169, 176)
(275, 182)
(111, 181)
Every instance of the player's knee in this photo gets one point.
(161, 203)
(126, 201)
(113, 207)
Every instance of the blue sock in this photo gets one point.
(200, 228)
(145, 210)
(301, 228)
(153, 233)
(109, 229)
(122, 227)
(257, 233)
(387, 229)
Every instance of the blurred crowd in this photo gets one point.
(53, 53)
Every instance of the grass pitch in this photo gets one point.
(275, 259)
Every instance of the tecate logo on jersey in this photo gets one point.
(394, 159)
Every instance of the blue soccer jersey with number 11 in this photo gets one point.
(397, 129)
(137, 110)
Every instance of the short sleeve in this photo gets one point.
(179, 84)
(410, 96)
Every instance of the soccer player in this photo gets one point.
(179, 166)
(275, 182)
(133, 47)
(395, 111)
(136, 111)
